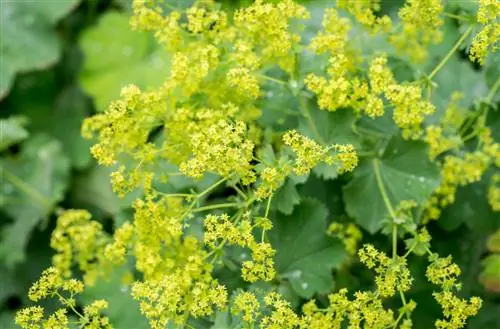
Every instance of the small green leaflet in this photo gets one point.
(305, 255)
(406, 174)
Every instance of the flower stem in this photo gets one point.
(451, 52)
(493, 91)
(217, 206)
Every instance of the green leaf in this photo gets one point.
(11, 132)
(69, 110)
(405, 172)
(287, 197)
(37, 97)
(116, 56)
(472, 208)
(123, 310)
(28, 40)
(92, 190)
(490, 276)
(305, 255)
(35, 182)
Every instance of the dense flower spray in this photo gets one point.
(204, 122)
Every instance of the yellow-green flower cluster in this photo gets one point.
(455, 309)
(308, 154)
(221, 228)
(335, 36)
(455, 171)
(52, 284)
(246, 303)
(157, 226)
(78, 239)
(392, 274)
(438, 142)
(169, 298)
(409, 108)
(488, 38)
(116, 250)
(218, 228)
(349, 234)
(421, 23)
(282, 316)
(243, 82)
(443, 272)
(462, 170)
(365, 13)
(494, 192)
(271, 178)
(265, 26)
(221, 148)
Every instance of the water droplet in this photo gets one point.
(124, 288)
(395, 152)
(294, 84)
(296, 274)
(243, 255)
(270, 94)
(421, 179)
(304, 285)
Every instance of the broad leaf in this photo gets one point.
(28, 40)
(116, 56)
(34, 183)
(405, 172)
(305, 255)
(287, 197)
(123, 310)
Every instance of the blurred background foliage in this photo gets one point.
(66, 60)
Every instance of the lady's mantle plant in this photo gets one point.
(249, 118)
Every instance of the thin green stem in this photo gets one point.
(387, 202)
(493, 91)
(381, 187)
(394, 240)
(451, 52)
(397, 320)
(266, 77)
(216, 206)
(67, 303)
(458, 17)
(240, 192)
(266, 214)
(212, 187)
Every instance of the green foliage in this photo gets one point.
(304, 256)
(35, 182)
(54, 76)
(28, 40)
(116, 56)
(405, 173)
